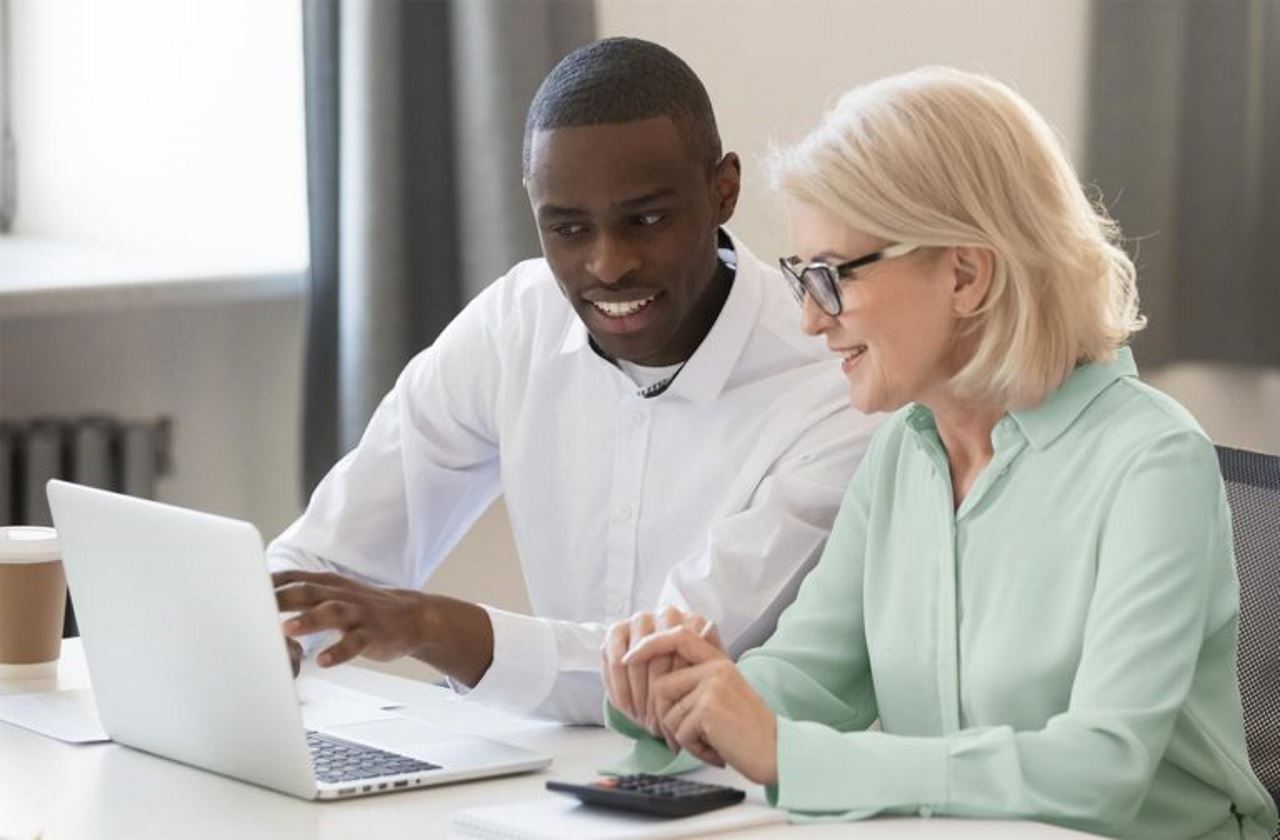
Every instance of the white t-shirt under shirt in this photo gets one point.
(644, 376)
(715, 496)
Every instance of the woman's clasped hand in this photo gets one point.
(670, 674)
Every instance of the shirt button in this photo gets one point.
(615, 605)
(637, 418)
(625, 512)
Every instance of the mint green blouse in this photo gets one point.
(1060, 648)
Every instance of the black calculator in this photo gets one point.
(661, 796)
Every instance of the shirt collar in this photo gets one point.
(1043, 424)
(710, 366)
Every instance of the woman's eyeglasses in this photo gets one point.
(821, 281)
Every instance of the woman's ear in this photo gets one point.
(972, 270)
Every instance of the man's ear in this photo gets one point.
(727, 184)
(972, 270)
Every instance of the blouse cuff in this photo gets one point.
(648, 754)
(821, 770)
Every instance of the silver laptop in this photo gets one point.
(183, 642)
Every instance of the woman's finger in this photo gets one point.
(642, 624)
(673, 715)
(689, 736)
(657, 668)
(678, 640)
(616, 644)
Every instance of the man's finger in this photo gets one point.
(347, 648)
(302, 596)
(678, 640)
(291, 576)
(328, 615)
(295, 654)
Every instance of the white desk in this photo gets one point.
(66, 792)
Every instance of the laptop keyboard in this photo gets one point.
(336, 760)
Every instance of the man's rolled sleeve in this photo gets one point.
(524, 666)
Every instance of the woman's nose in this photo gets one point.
(813, 321)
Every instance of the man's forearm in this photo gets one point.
(457, 638)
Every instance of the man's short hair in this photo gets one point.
(617, 80)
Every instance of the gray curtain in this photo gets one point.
(414, 119)
(1184, 144)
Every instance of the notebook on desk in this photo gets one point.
(560, 818)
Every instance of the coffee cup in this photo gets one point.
(33, 598)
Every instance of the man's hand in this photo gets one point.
(384, 623)
(295, 654)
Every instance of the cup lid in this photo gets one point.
(28, 544)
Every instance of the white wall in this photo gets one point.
(772, 67)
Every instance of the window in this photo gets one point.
(154, 126)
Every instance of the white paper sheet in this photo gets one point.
(69, 715)
(561, 818)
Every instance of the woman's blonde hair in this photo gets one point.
(942, 157)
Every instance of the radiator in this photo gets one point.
(122, 455)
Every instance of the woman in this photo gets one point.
(1030, 583)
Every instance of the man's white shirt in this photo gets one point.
(715, 496)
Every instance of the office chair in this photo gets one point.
(1253, 493)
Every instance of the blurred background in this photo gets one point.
(228, 225)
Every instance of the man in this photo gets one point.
(643, 397)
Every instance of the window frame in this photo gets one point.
(8, 150)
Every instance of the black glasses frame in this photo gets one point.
(822, 280)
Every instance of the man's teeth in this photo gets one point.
(621, 309)
(855, 352)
